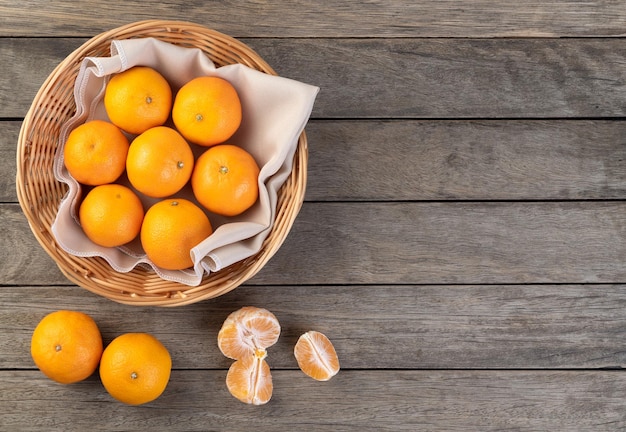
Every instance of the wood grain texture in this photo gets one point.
(9, 131)
(411, 243)
(462, 241)
(403, 78)
(352, 401)
(23, 75)
(396, 18)
(447, 243)
(23, 256)
(416, 327)
(466, 160)
(457, 78)
(443, 160)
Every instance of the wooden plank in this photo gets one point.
(452, 78)
(411, 243)
(416, 327)
(23, 74)
(447, 243)
(431, 18)
(353, 400)
(24, 258)
(404, 78)
(443, 160)
(9, 131)
(466, 160)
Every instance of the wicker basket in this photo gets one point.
(39, 193)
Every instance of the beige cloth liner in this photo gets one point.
(275, 111)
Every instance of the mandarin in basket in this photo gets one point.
(95, 153)
(159, 162)
(170, 229)
(135, 368)
(247, 332)
(137, 99)
(66, 346)
(111, 215)
(316, 356)
(250, 380)
(207, 110)
(225, 180)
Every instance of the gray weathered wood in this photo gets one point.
(23, 255)
(450, 78)
(411, 243)
(479, 242)
(430, 18)
(9, 131)
(352, 401)
(466, 160)
(417, 327)
(24, 74)
(462, 243)
(443, 160)
(403, 78)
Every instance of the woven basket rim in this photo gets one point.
(39, 193)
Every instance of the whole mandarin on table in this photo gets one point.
(135, 368)
(66, 346)
(95, 153)
(225, 180)
(159, 162)
(111, 215)
(170, 229)
(138, 99)
(207, 110)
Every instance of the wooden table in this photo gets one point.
(462, 240)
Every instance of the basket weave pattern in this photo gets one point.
(39, 193)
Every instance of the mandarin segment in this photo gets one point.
(248, 331)
(316, 356)
(135, 368)
(66, 346)
(249, 379)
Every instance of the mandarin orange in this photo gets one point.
(138, 99)
(207, 110)
(95, 153)
(111, 215)
(66, 346)
(159, 162)
(170, 229)
(135, 368)
(225, 180)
